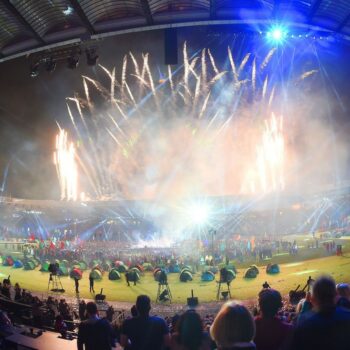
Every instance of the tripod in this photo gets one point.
(226, 292)
(55, 284)
(164, 293)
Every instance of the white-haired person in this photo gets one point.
(343, 295)
(233, 328)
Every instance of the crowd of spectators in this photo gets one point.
(320, 321)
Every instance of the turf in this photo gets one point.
(292, 274)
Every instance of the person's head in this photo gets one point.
(59, 318)
(91, 308)
(343, 290)
(190, 329)
(133, 311)
(143, 305)
(324, 292)
(270, 301)
(233, 324)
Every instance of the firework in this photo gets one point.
(66, 166)
(148, 140)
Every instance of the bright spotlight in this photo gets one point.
(199, 214)
(277, 35)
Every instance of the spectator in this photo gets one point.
(110, 313)
(133, 311)
(60, 325)
(18, 292)
(5, 324)
(82, 310)
(95, 333)
(304, 308)
(144, 331)
(343, 292)
(329, 327)
(271, 332)
(189, 333)
(233, 328)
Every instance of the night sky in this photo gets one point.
(29, 108)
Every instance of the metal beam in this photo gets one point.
(147, 11)
(81, 14)
(314, 9)
(343, 23)
(23, 21)
(212, 9)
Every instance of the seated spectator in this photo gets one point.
(271, 332)
(189, 333)
(18, 292)
(144, 331)
(60, 325)
(343, 292)
(233, 328)
(5, 324)
(82, 310)
(110, 313)
(329, 327)
(133, 311)
(95, 333)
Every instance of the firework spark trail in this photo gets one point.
(136, 65)
(87, 94)
(125, 63)
(117, 126)
(243, 63)
(105, 93)
(130, 94)
(272, 95)
(233, 66)
(170, 77)
(66, 166)
(267, 59)
(217, 77)
(204, 107)
(271, 155)
(197, 92)
(308, 74)
(204, 69)
(186, 68)
(254, 75)
(213, 64)
(265, 87)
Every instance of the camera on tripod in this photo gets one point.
(54, 269)
(224, 278)
(163, 278)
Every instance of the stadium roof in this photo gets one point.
(28, 26)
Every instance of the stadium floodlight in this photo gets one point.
(199, 213)
(34, 70)
(277, 35)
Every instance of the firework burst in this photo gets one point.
(149, 140)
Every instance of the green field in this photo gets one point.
(292, 273)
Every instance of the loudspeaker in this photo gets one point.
(100, 297)
(170, 46)
(192, 301)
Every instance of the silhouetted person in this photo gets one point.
(144, 332)
(76, 282)
(271, 332)
(91, 281)
(328, 326)
(266, 285)
(95, 333)
(309, 283)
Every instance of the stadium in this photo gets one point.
(194, 152)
